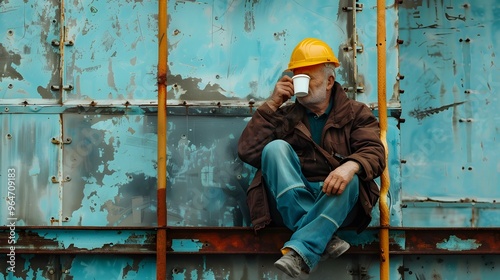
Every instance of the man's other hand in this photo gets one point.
(338, 179)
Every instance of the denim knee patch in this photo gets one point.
(287, 189)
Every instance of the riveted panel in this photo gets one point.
(29, 161)
(451, 109)
(111, 166)
(29, 61)
(114, 52)
(206, 180)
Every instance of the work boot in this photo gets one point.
(335, 248)
(292, 264)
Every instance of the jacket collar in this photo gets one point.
(342, 111)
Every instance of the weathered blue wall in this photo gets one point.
(86, 155)
(107, 64)
(450, 138)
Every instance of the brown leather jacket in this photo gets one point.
(350, 133)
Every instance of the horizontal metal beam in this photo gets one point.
(238, 240)
(402, 241)
(79, 240)
(477, 241)
(227, 109)
(226, 240)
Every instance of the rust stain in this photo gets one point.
(232, 240)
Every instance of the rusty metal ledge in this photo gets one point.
(77, 240)
(421, 241)
(239, 240)
(435, 241)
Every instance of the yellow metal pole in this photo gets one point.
(161, 236)
(382, 110)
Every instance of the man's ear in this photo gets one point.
(331, 81)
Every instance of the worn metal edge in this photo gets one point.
(181, 109)
(244, 240)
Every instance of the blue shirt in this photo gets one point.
(317, 123)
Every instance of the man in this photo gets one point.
(316, 160)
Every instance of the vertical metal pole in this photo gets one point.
(382, 109)
(161, 237)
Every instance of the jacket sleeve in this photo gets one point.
(259, 131)
(366, 147)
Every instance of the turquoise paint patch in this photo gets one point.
(111, 267)
(179, 275)
(398, 237)
(209, 275)
(194, 274)
(456, 244)
(79, 239)
(186, 245)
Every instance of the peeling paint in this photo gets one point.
(79, 239)
(186, 245)
(9, 58)
(130, 190)
(234, 51)
(456, 244)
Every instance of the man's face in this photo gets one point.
(319, 88)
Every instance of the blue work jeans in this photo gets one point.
(312, 215)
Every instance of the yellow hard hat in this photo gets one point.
(312, 51)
